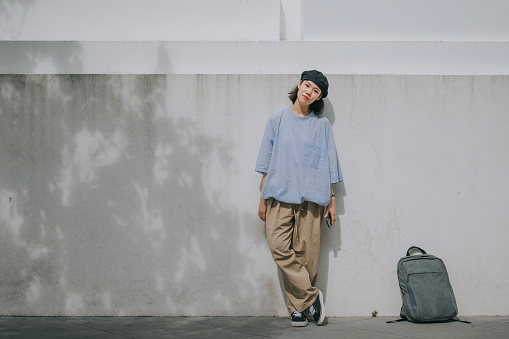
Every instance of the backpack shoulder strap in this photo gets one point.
(461, 321)
(395, 321)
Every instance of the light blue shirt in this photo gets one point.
(300, 158)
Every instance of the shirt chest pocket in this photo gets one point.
(314, 156)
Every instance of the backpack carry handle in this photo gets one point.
(415, 248)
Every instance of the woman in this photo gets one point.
(299, 163)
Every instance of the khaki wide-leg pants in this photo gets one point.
(293, 233)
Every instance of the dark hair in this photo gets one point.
(316, 106)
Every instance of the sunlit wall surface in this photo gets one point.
(406, 20)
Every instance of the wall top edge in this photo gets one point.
(329, 74)
(253, 41)
(269, 57)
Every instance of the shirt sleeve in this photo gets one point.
(265, 154)
(335, 170)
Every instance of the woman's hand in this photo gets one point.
(262, 209)
(331, 209)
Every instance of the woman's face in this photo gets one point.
(308, 92)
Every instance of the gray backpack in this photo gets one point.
(425, 289)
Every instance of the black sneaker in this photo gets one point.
(298, 319)
(317, 310)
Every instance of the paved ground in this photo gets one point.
(243, 327)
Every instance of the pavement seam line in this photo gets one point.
(92, 327)
(380, 332)
(229, 329)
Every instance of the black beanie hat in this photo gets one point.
(319, 80)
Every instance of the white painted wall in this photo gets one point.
(291, 19)
(243, 37)
(136, 194)
(406, 20)
(135, 20)
(202, 20)
(255, 57)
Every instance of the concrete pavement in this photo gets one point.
(244, 327)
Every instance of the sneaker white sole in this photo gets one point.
(299, 323)
(322, 311)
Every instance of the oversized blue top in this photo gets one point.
(300, 158)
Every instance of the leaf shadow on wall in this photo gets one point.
(105, 203)
(8, 11)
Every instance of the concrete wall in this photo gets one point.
(138, 20)
(454, 37)
(136, 194)
(254, 57)
(129, 131)
(254, 20)
(406, 20)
